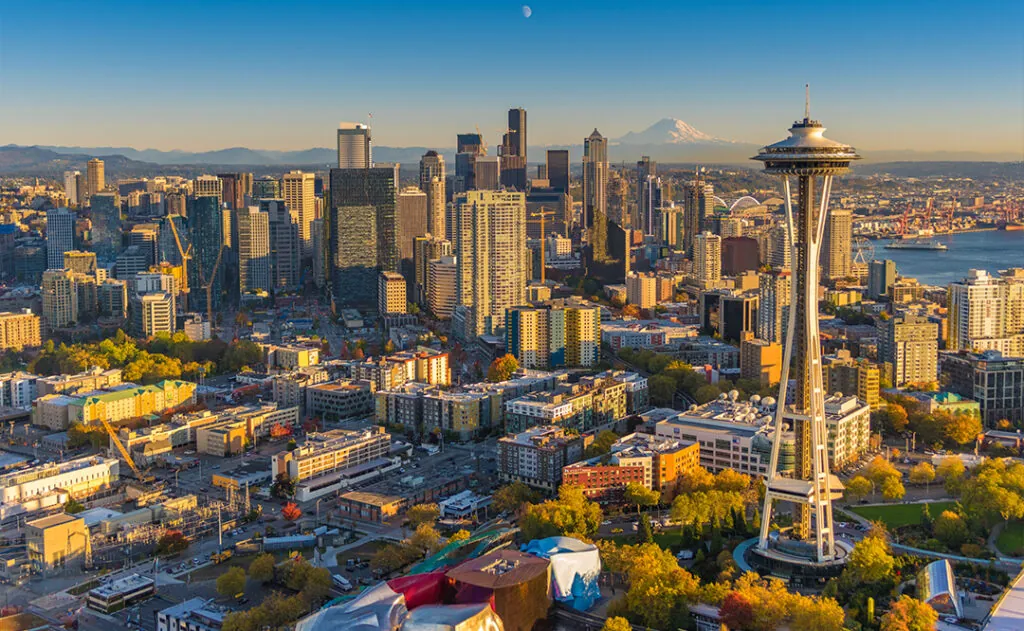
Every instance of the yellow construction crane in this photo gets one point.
(542, 214)
(185, 256)
(124, 452)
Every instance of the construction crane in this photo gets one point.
(185, 256)
(146, 479)
(208, 285)
(542, 214)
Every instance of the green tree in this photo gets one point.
(662, 389)
(422, 514)
(511, 497)
(502, 368)
(640, 496)
(171, 542)
(870, 561)
(602, 444)
(857, 488)
(73, 507)
(318, 585)
(262, 568)
(909, 614)
(706, 393)
(231, 582)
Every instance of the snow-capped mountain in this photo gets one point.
(669, 131)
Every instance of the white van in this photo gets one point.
(341, 582)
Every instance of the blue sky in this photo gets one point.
(280, 75)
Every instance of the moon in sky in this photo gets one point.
(527, 11)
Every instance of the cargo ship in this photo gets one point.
(911, 244)
(1013, 226)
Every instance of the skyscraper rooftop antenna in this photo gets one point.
(807, 101)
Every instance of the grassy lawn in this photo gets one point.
(365, 551)
(896, 515)
(1011, 538)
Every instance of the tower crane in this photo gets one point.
(541, 215)
(185, 256)
(145, 478)
(208, 285)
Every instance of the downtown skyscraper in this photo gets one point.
(354, 146)
(595, 189)
(298, 190)
(60, 236)
(698, 205)
(432, 183)
(513, 151)
(363, 231)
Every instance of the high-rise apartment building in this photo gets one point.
(72, 185)
(426, 248)
(442, 287)
(646, 186)
(846, 375)
(513, 151)
(707, 258)
(432, 183)
(558, 169)
(19, 330)
(837, 245)
(354, 147)
(760, 360)
(552, 336)
(96, 177)
(60, 298)
(642, 290)
(881, 278)
(595, 193)
(299, 192)
(491, 246)
(254, 267)
(698, 205)
(285, 245)
(780, 255)
(152, 313)
(994, 381)
(112, 298)
(775, 295)
(390, 293)
(985, 313)
(60, 236)
(910, 344)
(205, 185)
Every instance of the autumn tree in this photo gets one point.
(815, 613)
(922, 473)
(892, 419)
(952, 471)
(697, 479)
(870, 560)
(262, 568)
(736, 612)
(171, 542)
(425, 540)
(950, 529)
(909, 614)
(317, 586)
(231, 582)
(502, 368)
(731, 480)
(857, 488)
(879, 470)
(459, 535)
(571, 514)
(616, 623)
(291, 511)
(892, 488)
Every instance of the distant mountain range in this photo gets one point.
(669, 140)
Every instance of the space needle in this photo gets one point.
(809, 550)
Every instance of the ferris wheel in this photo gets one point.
(863, 251)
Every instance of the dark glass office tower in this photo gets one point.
(353, 191)
(206, 228)
(513, 151)
(558, 169)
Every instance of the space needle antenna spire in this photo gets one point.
(807, 101)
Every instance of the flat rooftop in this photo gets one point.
(121, 586)
(52, 520)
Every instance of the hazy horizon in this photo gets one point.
(275, 76)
